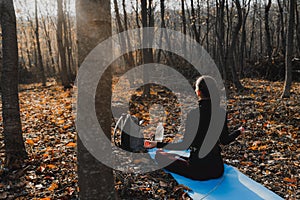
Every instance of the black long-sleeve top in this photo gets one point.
(195, 142)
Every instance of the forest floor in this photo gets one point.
(268, 152)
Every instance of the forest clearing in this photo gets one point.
(74, 71)
(268, 152)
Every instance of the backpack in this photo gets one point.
(127, 134)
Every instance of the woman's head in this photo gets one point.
(205, 85)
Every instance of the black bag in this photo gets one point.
(130, 137)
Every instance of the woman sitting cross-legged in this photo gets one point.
(210, 166)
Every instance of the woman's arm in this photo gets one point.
(191, 129)
(227, 137)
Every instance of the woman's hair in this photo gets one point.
(202, 84)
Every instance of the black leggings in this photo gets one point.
(181, 165)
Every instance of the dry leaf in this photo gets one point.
(30, 142)
(53, 186)
(71, 144)
(51, 166)
(290, 180)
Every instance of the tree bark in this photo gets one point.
(297, 25)
(147, 53)
(231, 62)
(39, 52)
(244, 35)
(267, 30)
(220, 34)
(12, 128)
(282, 32)
(193, 22)
(61, 48)
(289, 51)
(96, 180)
(252, 29)
(50, 51)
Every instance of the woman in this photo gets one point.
(211, 166)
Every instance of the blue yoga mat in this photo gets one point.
(232, 185)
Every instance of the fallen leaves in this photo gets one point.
(71, 144)
(53, 186)
(50, 138)
(30, 142)
(290, 180)
(269, 151)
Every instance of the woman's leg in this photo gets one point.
(182, 167)
(177, 164)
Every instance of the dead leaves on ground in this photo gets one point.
(268, 152)
(50, 138)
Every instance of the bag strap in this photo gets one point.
(120, 124)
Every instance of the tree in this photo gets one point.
(93, 26)
(267, 29)
(39, 52)
(282, 32)
(147, 53)
(193, 22)
(61, 48)
(230, 61)
(14, 145)
(289, 51)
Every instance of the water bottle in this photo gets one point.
(159, 134)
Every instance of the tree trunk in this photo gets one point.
(147, 53)
(50, 51)
(207, 26)
(252, 30)
(244, 35)
(267, 29)
(260, 32)
(297, 25)
(129, 54)
(96, 180)
(289, 51)
(163, 25)
(282, 32)
(231, 61)
(183, 18)
(193, 22)
(39, 53)
(220, 33)
(61, 48)
(12, 129)
(67, 46)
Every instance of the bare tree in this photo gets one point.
(61, 47)
(193, 22)
(147, 53)
(267, 29)
(39, 52)
(231, 61)
(14, 144)
(289, 51)
(282, 32)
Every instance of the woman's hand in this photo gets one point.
(148, 144)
